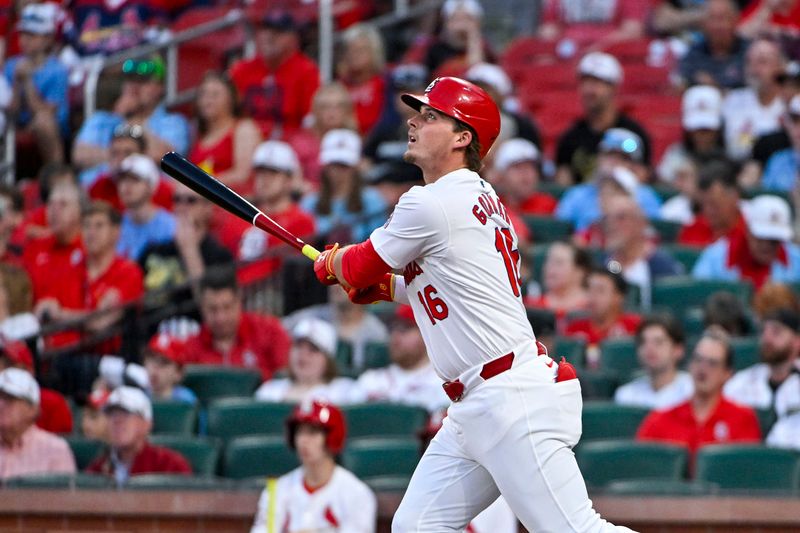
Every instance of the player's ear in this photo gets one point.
(463, 138)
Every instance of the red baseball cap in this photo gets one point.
(404, 313)
(17, 352)
(98, 398)
(168, 346)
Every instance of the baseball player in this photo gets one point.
(319, 496)
(515, 414)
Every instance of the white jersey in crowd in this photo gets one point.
(421, 387)
(751, 387)
(786, 432)
(746, 119)
(497, 518)
(640, 392)
(336, 392)
(344, 504)
(458, 252)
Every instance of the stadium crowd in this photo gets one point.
(649, 158)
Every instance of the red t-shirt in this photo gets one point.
(700, 234)
(625, 326)
(214, 158)
(729, 422)
(790, 22)
(368, 100)
(276, 98)
(55, 415)
(105, 188)
(739, 256)
(261, 343)
(126, 278)
(538, 203)
(150, 460)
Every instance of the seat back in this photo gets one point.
(85, 450)
(201, 452)
(235, 417)
(748, 467)
(174, 417)
(606, 420)
(211, 382)
(602, 462)
(258, 455)
(369, 458)
(383, 420)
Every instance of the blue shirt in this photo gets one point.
(781, 171)
(134, 238)
(372, 215)
(581, 204)
(51, 79)
(171, 127)
(713, 264)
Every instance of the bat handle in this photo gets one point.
(310, 252)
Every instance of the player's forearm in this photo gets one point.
(359, 266)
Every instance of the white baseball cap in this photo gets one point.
(702, 108)
(473, 7)
(601, 66)
(491, 75)
(340, 146)
(768, 217)
(624, 178)
(515, 151)
(132, 400)
(20, 384)
(276, 155)
(318, 332)
(39, 19)
(142, 167)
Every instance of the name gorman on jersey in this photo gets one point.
(488, 206)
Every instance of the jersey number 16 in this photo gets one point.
(504, 243)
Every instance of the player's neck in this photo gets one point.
(318, 473)
(439, 169)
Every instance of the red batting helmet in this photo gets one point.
(322, 415)
(463, 101)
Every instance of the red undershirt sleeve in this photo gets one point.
(362, 266)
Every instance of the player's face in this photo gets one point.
(307, 362)
(707, 367)
(657, 353)
(99, 234)
(222, 311)
(778, 342)
(431, 135)
(310, 444)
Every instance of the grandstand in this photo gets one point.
(640, 199)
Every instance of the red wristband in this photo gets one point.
(362, 266)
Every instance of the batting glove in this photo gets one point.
(383, 291)
(323, 265)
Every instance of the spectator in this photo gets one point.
(518, 174)
(230, 336)
(725, 310)
(226, 140)
(611, 183)
(720, 213)
(786, 432)
(274, 167)
(756, 109)
(143, 222)
(173, 262)
(35, 224)
(564, 274)
(783, 166)
(683, 206)
(628, 244)
(24, 448)
(11, 215)
(126, 140)
(109, 27)
(352, 322)
(130, 417)
(164, 358)
(17, 322)
(312, 368)
(660, 346)
(593, 25)
(708, 417)
(277, 85)
(94, 421)
(774, 383)
(459, 45)
(319, 494)
(702, 141)
(343, 209)
(40, 83)
(717, 58)
(771, 17)
(393, 179)
(774, 296)
(361, 71)
(763, 252)
(607, 318)
(410, 378)
(675, 17)
(600, 76)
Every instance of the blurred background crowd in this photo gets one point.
(649, 156)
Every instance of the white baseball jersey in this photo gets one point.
(420, 387)
(344, 505)
(640, 392)
(458, 252)
(751, 387)
(336, 392)
(786, 432)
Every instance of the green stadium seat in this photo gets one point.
(686, 255)
(556, 190)
(84, 450)
(211, 382)
(680, 293)
(202, 453)
(174, 417)
(344, 355)
(368, 458)
(573, 348)
(235, 417)
(660, 487)
(606, 420)
(667, 230)
(376, 355)
(618, 357)
(749, 468)
(536, 255)
(602, 462)
(60, 481)
(547, 228)
(746, 351)
(175, 482)
(383, 420)
(597, 384)
(258, 455)
(397, 484)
